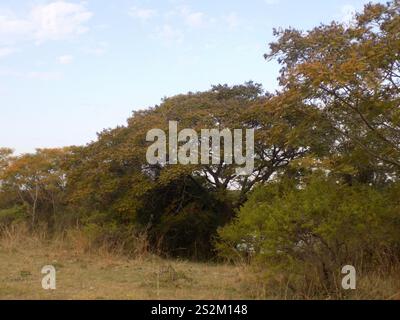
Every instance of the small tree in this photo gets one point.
(311, 230)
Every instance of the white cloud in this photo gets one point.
(54, 21)
(193, 19)
(142, 13)
(65, 59)
(169, 33)
(6, 51)
(59, 20)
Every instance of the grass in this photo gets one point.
(86, 273)
(101, 275)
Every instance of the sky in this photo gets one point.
(69, 69)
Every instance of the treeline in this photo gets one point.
(324, 192)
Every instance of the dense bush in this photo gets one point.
(11, 216)
(310, 231)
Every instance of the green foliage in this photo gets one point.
(182, 206)
(36, 182)
(12, 216)
(313, 229)
(349, 77)
(183, 217)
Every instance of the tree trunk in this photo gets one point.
(35, 205)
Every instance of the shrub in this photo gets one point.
(11, 216)
(310, 232)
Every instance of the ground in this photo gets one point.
(86, 273)
(106, 276)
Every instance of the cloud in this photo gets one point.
(6, 51)
(65, 59)
(184, 14)
(142, 13)
(177, 22)
(54, 21)
(59, 20)
(193, 19)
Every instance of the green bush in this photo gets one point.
(310, 232)
(12, 215)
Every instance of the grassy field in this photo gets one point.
(84, 273)
(101, 275)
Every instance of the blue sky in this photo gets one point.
(70, 68)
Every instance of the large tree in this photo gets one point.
(113, 174)
(348, 75)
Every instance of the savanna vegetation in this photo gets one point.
(324, 193)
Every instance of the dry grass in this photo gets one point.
(377, 285)
(88, 274)
(84, 272)
(382, 285)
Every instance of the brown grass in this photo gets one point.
(87, 272)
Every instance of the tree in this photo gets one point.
(167, 195)
(35, 181)
(5, 155)
(349, 76)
